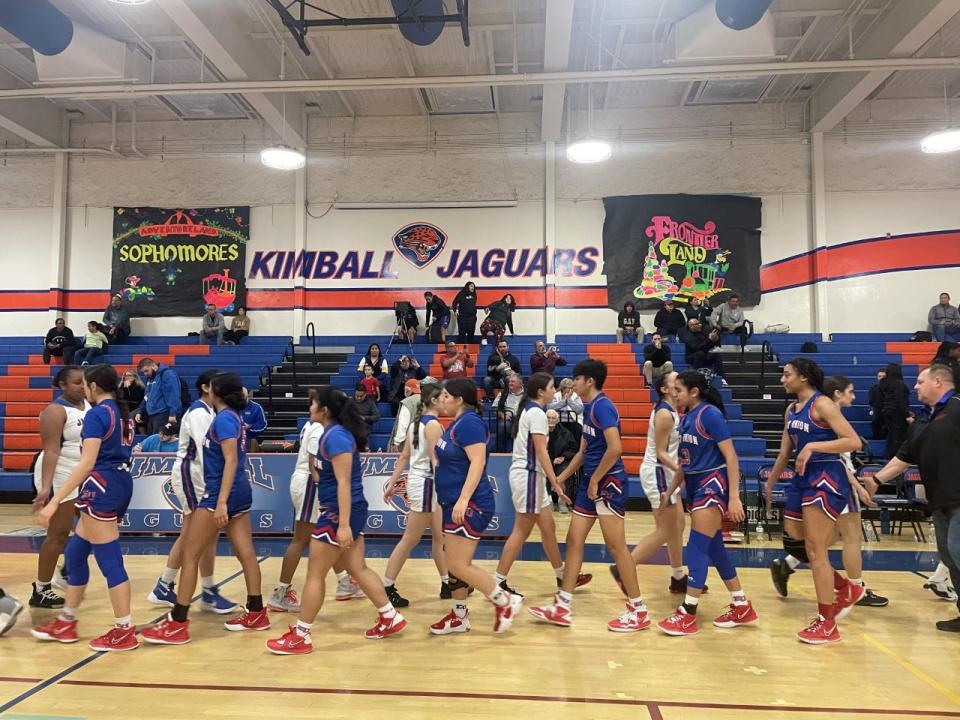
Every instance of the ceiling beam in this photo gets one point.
(228, 49)
(900, 33)
(556, 55)
(36, 120)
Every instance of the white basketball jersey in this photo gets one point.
(194, 425)
(309, 445)
(72, 430)
(421, 463)
(650, 454)
(533, 421)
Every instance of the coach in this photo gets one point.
(933, 445)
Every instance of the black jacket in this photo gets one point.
(438, 308)
(670, 320)
(59, 338)
(701, 313)
(657, 356)
(398, 376)
(503, 314)
(495, 360)
(893, 398)
(628, 321)
(465, 303)
(560, 443)
(933, 445)
(699, 342)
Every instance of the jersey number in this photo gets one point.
(684, 456)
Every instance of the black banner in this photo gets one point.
(681, 246)
(175, 262)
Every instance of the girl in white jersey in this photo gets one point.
(657, 470)
(530, 471)
(186, 480)
(61, 423)
(417, 459)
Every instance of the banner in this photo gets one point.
(154, 506)
(658, 247)
(175, 262)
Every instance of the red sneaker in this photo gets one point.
(630, 621)
(847, 598)
(507, 614)
(386, 627)
(583, 579)
(819, 632)
(680, 623)
(249, 621)
(450, 623)
(291, 643)
(118, 639)
(553, 613)
(64, 631)
(736, 615)
(167, 632)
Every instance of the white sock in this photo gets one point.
(940, 575)
(169, 575)
(387, 611)
(564, 599)
(387, 582)
(460, 609)
(638, 604)
(558, 571)
(68, 613)
(792, 562)
(41, 584)
(123, 622)
(208, 583)
(500, 597)
(678, 573)
(282, 588)
(343, 576)
(303, 628)
(498, 578)
(739, 597)
(691, 600)
(858, 581)
(445, 578)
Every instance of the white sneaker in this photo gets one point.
(450, 624)
(348, 589)
(941, 590)
(284, 601)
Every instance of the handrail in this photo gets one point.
(291, 346)
(269, 385)
(765, 350)
(312, 334)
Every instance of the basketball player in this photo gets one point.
(61, 424)
(103, 476)
(603, 496)
(711, 470)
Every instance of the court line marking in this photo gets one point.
(89, 659)
(653, 706)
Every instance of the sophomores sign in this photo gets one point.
(657, 247)
(174, 262)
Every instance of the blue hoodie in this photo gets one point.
(255, 420)
(162, 393)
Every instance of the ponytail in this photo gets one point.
(535, 383)
(427, 394)
(345, 411)
(691, 379)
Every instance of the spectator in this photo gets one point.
(405, 414)
(161, 399)
(254, 422)
(944, 320)
(130, 392)
(374, 359)
(509, 402)
(166, 441)
(949, 354)
(628, 323)
(59, 342)
(894, 401)
(656, 360)
(440, 311)
(699, 310)
(728, 317)
(456, 362)
(570, 408)
(406, 368)
(669, 321)
(370, 384)
(544, 360)
(407, 321)
(465, 306)
(366, 404)
(699, 344)
(212, 324)
(561, 447)
(500, 365)
(875, 400)
(239, 327)
(116, 321)
(499, 319)
(94, 346)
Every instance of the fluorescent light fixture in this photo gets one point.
(943, 141)
(130, 2)
(589, 150)
(282, 157)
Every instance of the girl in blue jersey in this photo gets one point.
(603, 496)
(103, 476)
(466, 500)
(711, 470)
(225, 503)
(338, 536)
(820, 493)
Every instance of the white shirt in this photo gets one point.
(309, 445)
(421, 462)
(194, 425)
(650, 454)
(403, 422)
(572, 406)
(533, 421)
(70, 440)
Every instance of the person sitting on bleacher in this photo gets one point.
(404, 369)
(94, 346)
(728, 318)
(656, 359)
(165, 441)
(367, 405)
(669, 321)
(699, 344)
(456, 362)
(374, 359)
(561, 447)
(628, 323)
(239, 327)
(212, 325)
(116, 321)
(699, 310)
(509, 402)
(161, 402)
(255, 422)
(567, 404)
(545, 360)
(59, 342)
(944, 320)
(405, 413)
(500, 365)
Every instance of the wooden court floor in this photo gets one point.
(891, 663)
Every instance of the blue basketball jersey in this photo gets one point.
(803, 430)
(701, 429)
(598, 415)
(453, 463)
(116, 435)
(226, 425)
(337, 440)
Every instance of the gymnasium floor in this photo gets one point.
(892, 661)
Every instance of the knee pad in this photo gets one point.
(698, 559)
(75, 556)
(110, 560)
(456, 583)
(797, 548)
(721, 558)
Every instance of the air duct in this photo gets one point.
(92, 56)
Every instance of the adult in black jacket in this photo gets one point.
(669, 321)
(465, 306)
(949, 354)
(895, 407)
(499, 318)
(628, 323)
(875, 401)
(406, 368)
(440, 312)
(59, 342)
(699, 310)
(699, 344)
(500, 365)
(561, 447)
(656, 359)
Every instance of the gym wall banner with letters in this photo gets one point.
(155, 508)
(658, 247)
(175, 262)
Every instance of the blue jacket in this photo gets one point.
(162, 393)
(255, 419)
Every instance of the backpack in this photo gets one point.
(921, 336)
(185, 398)
(809, 347)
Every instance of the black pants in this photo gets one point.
(466, 328)
(743, 332)
(65, 351)
(896, 428)
(701, 359)
(156, 422)
(234, 336)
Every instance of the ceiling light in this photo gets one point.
(943, 141)
(130, 2)
(282, 157)
(589, 150)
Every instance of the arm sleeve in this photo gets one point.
(420, 373)
(313, 439)
(96, 424)
(429, 313)
(150, 444)
(171, 392)
(510, 324)
(337, 444)
(605, 415)
(715, 424)
(620, 319)
(514, 362)
(384, 368)
(374, 412)
(575, 403)
(931, 315)
(363, 361)
(536, 363)
(537, 420)
(471, 432)
(259, 419)
(403, 422)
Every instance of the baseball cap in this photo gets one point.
(170, 429)
(413, 385)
